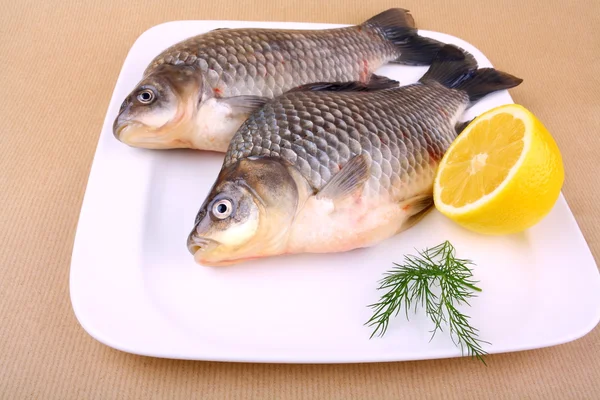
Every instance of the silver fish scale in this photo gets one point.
(405, 131)
(267, 63)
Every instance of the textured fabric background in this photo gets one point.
(59, 66)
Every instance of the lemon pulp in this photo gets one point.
(502, 174)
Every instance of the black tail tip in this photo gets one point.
(456, 68)
(488, 80)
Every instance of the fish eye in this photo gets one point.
(222, 208)
(146, 96)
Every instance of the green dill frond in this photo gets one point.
(408, 286)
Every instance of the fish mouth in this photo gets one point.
(198, 244)
(121, 131)
(138, 135)
(201, 248)
(118, 128)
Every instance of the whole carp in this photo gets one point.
(197, 93)
(327, 169)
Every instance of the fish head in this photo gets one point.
(159, 113)
(247, 214)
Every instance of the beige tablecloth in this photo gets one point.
(60, 61)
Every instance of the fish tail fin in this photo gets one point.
(398, 26)
(457, 69)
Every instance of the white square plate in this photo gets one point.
(135, 287)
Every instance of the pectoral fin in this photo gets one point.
(348, 180)
(243, 105)
(461, 126)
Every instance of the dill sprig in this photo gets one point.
(410, 285)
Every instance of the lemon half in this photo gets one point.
(502, 174)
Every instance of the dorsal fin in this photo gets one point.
(377, 82)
